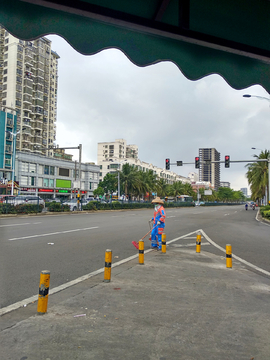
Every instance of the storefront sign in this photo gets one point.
(28, 189)
(46, 190)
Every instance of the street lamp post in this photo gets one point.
(268, 99)
(119, 167)
(268, 160)
(14, 135)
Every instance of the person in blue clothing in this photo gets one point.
(158, 223)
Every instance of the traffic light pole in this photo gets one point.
(180, 163)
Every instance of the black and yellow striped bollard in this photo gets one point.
(228, 256)
(141, 252)
(43, 294)
(163, 244)
(198, 243)
(108, 265)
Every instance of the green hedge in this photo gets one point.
(20, 209)
(56, 207)
(265, 211)
(117, 205)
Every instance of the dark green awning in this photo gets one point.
(202, 37)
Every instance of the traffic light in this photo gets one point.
(167, 163)
(197, 162)
(227, 161)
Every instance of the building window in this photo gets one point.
(46, 182)
(24, 180)
(90, 185)
(51, 170)
(25, 166)
(51, 183)
(32, 168)
(46, 170)
(33, 180)
(63, 172)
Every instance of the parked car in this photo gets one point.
(7, 198)
(73, 204)
(28, 199)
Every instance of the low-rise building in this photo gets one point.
(226, 184)
(49, 177)
(113, 155)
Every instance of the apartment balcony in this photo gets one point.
(37, 141)
(38, 125)
(26, 108)
(26, 141)
(9, 123)
(8, 149)
(28, 127)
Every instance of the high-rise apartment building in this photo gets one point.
(28, 84)
(209, 170)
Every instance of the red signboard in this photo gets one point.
(46, 190)
(28, 189)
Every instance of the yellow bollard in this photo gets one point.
(108, 265)
(163, 247)
(141, 252)
(43, 294)
(198, 243)
(229, 256)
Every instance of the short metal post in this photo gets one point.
(141, 252)
(108, 265)
(43, 294)
(163, 246)
(198, 243)
(229, 256)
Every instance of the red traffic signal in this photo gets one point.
(167, 164)
(227, 161)
(197, 162)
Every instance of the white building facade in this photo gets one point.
(54, 178)
(113, 155)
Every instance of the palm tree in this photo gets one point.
(257, 176)
(129, 177)
(162, 187)
(147, 182)
(177, 188)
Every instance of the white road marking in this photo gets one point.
(234, 256)
(31, 299)
(20, 224)
(55, 233)
(19, 304)
(185, 245)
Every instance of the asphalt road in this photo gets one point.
(73, 245)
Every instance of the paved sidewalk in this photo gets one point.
(178, 305)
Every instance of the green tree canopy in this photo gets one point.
(257, 176)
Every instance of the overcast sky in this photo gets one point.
(104, 97)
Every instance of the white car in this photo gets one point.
(28, 199)
(73, 204)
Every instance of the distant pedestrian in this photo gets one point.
(158, 223)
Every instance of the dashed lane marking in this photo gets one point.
(54, 233)
(11, 225)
